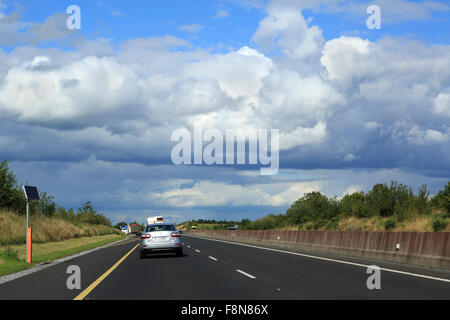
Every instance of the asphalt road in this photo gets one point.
(211, 270)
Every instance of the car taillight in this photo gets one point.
(146, 236)
(175, 234)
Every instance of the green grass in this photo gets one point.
(9, 265)
(11, 260)
(68, 252)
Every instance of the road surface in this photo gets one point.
(211, 270)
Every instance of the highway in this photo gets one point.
(212, 270)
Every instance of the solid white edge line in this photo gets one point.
(331, 260)
(212, 258)
(246, 274)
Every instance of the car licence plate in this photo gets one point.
(161, 238)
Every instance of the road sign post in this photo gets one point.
(31, 193)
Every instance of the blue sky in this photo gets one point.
(122, 20)
(87, 115)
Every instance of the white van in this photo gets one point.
(153, 220)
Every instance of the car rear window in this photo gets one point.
(163, 227)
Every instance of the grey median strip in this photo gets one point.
(20, 274)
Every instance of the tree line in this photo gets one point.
(12, 198)
(396, 202)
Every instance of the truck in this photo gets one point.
(157, 219)
(134, 228)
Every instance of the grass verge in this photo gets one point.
(13, 230)
(12, 259)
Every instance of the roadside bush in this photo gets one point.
(390, 224)
(268, 222)
(312, 206)
(422, 202)
(244, 224)
(386, 201)
(439, 224)
(400, 215)
(87, 214)
(442, 199)
(378, 201)
(320, 223)
(354, 205)
(332, 224)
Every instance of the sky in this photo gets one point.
(88, 114)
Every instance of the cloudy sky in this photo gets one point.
(88, 114)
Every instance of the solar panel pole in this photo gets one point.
(31, 193)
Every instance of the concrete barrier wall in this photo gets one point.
(426, 249)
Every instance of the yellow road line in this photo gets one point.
(88, 290)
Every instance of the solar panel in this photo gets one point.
(31, 193)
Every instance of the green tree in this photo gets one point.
(101, 219)
(422, 202)
(354, 205)
(244, 224)
(442, 199)
(86, 213)
(65, 214)
(379, 202)
(312, 206)
(11, 195)
(46, 206)
(386, 201)
(402, 199)
(268, 222)
(120, 225)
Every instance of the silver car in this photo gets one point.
(161, 238)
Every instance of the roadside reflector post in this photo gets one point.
(29, 246)
(28, 233)
(31, 193)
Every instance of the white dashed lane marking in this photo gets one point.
(246, 274)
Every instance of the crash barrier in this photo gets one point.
(426, 249)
